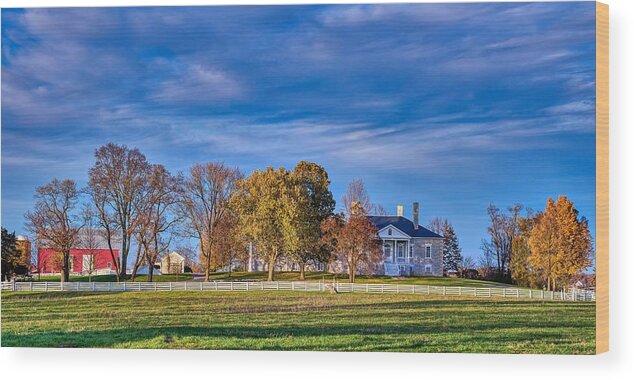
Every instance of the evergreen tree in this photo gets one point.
(452, 254)
(10, 254)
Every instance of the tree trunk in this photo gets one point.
(350, 273)
(302, 271)
(137, 263)
(150, 272)
(271, 268)
(207, 273)
(65, 277)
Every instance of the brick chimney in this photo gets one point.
(415, 215)
(399, 210)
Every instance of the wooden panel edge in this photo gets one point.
(602, 178)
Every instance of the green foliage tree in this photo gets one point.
(10, 255)
(269, 205)
(317, 205)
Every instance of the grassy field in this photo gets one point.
(294, 276)
(113, 278)
(296, 321)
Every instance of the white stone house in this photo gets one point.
(408, 248)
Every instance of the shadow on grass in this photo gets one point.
(420, 335)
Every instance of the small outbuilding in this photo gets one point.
(173, 263)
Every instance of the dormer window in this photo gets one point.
(389, 231)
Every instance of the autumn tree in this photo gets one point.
(352, 237)
(204, 200)
(317, 205)
(522, 273)
(228, 246)
(451, 251)
(54, 221)
(10, 255)
(268, 205)
(116, 183)
(353, 241)
(560, 242)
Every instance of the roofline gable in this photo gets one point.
(392, 226)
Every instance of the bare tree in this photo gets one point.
(356, 199)
(53, 220)
(203, 202)
(90, 237)
(158, 217)
(116, 184)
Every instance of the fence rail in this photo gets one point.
(569, 295)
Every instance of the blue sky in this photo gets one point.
(452, 105)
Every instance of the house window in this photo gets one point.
(320, 267)
(401, 250)
(387, 249)
(428, 268)
(428, 251)
(389, 231)
(71, 263)
(411, 251)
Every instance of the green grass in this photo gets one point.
(113, 278)
(319, 276)
(294, 276)
(296, 321)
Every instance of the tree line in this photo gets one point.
(544, 249)
(138, 209)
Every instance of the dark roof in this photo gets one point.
(403, 224)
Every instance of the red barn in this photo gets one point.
(81, 261)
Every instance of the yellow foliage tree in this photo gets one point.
(560, 242)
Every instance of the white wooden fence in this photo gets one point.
(570, 295)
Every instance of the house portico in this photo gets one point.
(408, 248)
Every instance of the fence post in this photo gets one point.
(185, 285)
(201, 285)
(460, 290)
(504, 292)
(530, 293)
(155, 287)
(444, 290)
(170, 285)
(125, 287)
(93, 286)
(46, 286)
(109, 286)
(489, 292)
(216, 285)
(31, 286)
(277, 285)
(231, 285)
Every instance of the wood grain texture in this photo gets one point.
(602, 177)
